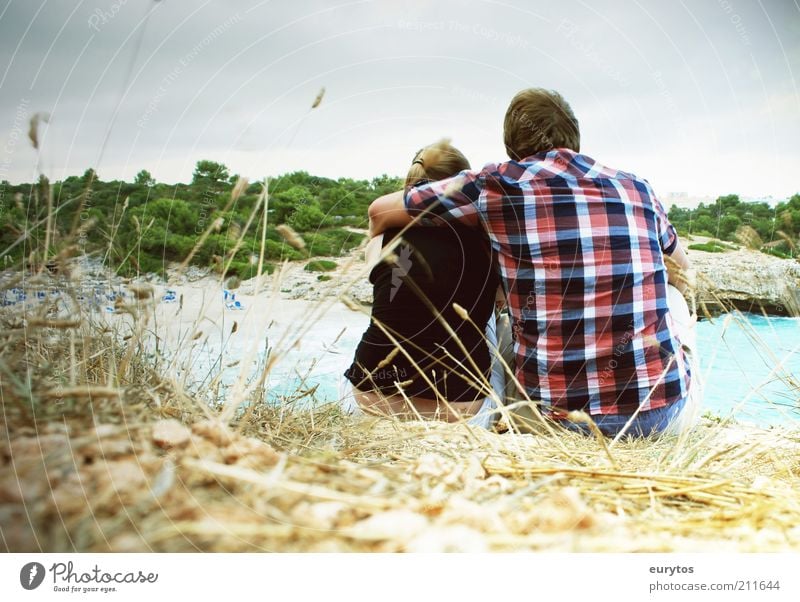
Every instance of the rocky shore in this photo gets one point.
(743, 279)
(350, 278)
(747, 280)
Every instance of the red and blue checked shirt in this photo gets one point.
(581, 252)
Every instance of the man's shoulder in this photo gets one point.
(562, 163)
(508, 171)
(606, 171)
(489, 169)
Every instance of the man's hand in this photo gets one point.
(388, 211)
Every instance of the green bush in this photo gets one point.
(777, 253)
(708, 247)
(279, 250)
(321, 265)
(307, 217)
(245, 270)
(332, 241)
(146, 265)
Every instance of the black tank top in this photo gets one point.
(443, 265)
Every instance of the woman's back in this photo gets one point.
(434, 268)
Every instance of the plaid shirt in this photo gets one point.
(581, 253)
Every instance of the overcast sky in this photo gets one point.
(697, 96)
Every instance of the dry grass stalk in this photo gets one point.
(215, 225)
(786, 239)
(33, 130)
(291, 237)
(748, 236)
(318, 99)
(82, 392)
(241, 185)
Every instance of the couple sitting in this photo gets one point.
(580, 251)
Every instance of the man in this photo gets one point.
(581, 249)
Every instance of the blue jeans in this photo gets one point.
(646, 423)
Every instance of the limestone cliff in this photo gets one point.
(747, 280)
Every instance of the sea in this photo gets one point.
(749, 365)
(750, 368)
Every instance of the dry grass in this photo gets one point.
(99, 452)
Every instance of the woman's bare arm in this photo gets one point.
(388, 211)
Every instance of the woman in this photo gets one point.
(419, 357)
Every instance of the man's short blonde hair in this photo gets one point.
(539, 120)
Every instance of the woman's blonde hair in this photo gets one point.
(438, 161)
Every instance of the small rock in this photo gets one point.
(124, 475)
(395, 525)
(128, 542)
(453, 539)
(464, 512)
(214, 431)
(433, 465)
(170, 433)
(164, 480)
(251, 452)
(561, 510)
(322, 515)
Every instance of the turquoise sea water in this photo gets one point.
(750, 365)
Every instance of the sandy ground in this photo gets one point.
(192, 324)
(207, 327)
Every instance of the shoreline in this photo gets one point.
(201, 334)
(739, 279)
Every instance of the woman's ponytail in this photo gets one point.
(438, 161)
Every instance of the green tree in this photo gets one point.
(282, 203)
(89, 176)
(728, 225)
(385, 184)
(726, 205)
(144, 178)
(210, 175)
(704, 223)
(307, 217)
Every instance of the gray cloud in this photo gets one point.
(698, 97)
